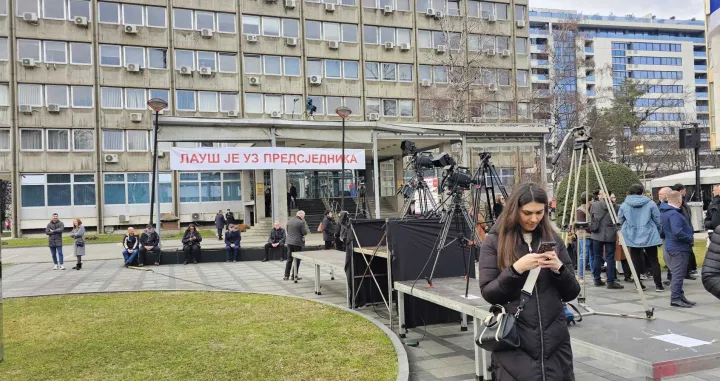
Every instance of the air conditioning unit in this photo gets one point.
(440, 49)
(196, 217)
(334, 44)
(30, 17)
(425, 83)
(476, 119)
(206, 71)
(251, 37)
(520, 23)
(131, 29)
(494, 88)
(161, 154)
(388, 10)
(232, 114)
(291, 41)
(404, 46)
(315, 79)
(186, 70)
(136, 117)
(53, 108)
(111, 158)
(389, 46)
(430, 12)
(491, 52)
(28, 62)
(329, 7)
(492, 18)
(373, 116)
(506, 53)
(290, 4)
(439, 15)
(26, 109)
(276, 114)
(132, 67)
(206, 33)
(123, 217)
(81, 21)
(255, 81)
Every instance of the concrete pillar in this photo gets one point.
(259, 194)
(279, 191)
(247, 190)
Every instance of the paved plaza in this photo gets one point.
(445, 353)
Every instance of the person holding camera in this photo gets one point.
(522, 245)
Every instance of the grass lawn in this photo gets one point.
(93, 238)
(699, 249)
(190, 336)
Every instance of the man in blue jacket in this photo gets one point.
(678, 247)
(232, 243)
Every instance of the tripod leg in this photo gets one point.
(440, 246)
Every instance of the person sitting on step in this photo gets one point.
(191, 244)
(150, 241)
(232, 243)
(277, 239)
(130, 246)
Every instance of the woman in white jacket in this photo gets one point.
(78, 233)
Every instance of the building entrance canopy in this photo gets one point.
(241, 158)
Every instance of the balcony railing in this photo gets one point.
(700, 54)
(700, 67)
(702, 108)
(591, 93)
(539, 77)
(539, 62)
(538, 31)
(590, 78)
(700, 40)
(589, 49)
(562, 15)
(701, 95)
(701, 81)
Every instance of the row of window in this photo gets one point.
(82, 96)
(670, 61)
(664, 116)
(665, 89)
(79, 140)
(487, 110)
(646, 46)
(256, 103)
(650, 74)
(649, 102)
(51, 9)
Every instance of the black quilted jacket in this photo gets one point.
(545, 353)
(711, 266)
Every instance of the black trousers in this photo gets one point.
(192, 252)
(220, 230)
(142, 253)
(328, 245)
(638, 256)
(288, 264)
(283, 250)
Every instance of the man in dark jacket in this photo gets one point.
(232, 243)
(604, 235)
(220, 224)
(54, 230)
(293, 195)
(329, 229)
(229, 218)
(130, 243)
(297, 229)
(678, 246)
(277, 239)
(712, 218)
(711, 266)
(685, 211)
(149, 241)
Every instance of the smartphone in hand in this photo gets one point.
(547, 246)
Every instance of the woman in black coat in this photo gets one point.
(191, 244)
(711, 266)
(329, 228)
(508, 253)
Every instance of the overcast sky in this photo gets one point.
(682, 9)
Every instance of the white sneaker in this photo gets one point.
(55, 267)
(62, 267)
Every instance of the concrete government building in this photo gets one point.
(75, 75)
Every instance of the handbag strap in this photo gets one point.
(527, 289)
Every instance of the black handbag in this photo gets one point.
(498, 332)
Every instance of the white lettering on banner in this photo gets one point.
(234, 158)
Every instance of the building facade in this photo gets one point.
(75, 76)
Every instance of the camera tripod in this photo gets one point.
(425, 203)
(583, 151)
(486, 178)
(361, 204)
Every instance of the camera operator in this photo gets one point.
(508, 255)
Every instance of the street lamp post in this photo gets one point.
(157, 105)
(343, 112)
(640, 150)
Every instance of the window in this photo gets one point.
(185, 100)
(331, 31)
(351, 69)
(184, 58)
(228, 102)
(520, 12)
(138, 188)
(211, 187)
(252, 64)
(389, 107)
(31, 140)
(251, 24)
(389, 72)
(372, 106)
(4, 55)
(372, 71)
(113, 140)
(353, 103)
(4, 140)
(207, 59)
(30, 95)
(290, 28)
(24, 6)
(291, 66)
(227, 62)
(114, 189)
(273, 103)
(521, 45)
(109, 55)
(135, 99)
(55, 52)
(133, 14)
(315, 67)
(440, 74)
(523, 110)
(108, 13)
(332, 69)
(4, 90)
(207, 101)
(318, 102)
(156, 17)
(332, 103)
(272, 65)
(387, 178)
(293, 106)
(204, 20)
(522, 78)
(349, 33)
(490, 111)
(56, 95)
(137, 140)
(28, 49)
(226, 23)
(404, 36)
(160, 93)
(79, 8)
(503, 77)
(370, 34)
(387, 35)
(157, 58)
(406, 107)
(424, 39)
(82, 96)
(504, 110)
(59, 190)
(503, 43)
(405, 72)
(58, 140)
(111, 97)
(182, 19)
(83, 140)
(253, 103)
(271, 26)
(135, 55)
(80, 53)
(313, 30)
(53, 9)
(32, 189)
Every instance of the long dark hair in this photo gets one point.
(508, 226)
(191, 226)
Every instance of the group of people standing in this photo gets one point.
(54, 231)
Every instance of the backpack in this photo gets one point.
(570, 314)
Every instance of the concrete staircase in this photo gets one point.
(386, 210)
